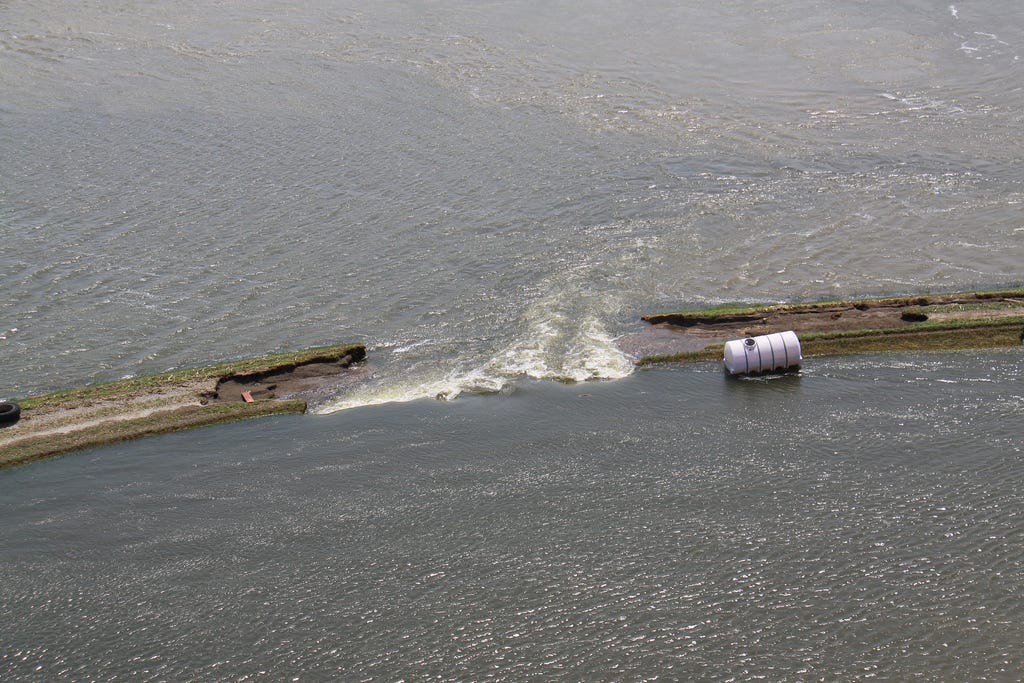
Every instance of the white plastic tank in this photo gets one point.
(778, 350)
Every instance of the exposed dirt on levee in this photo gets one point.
(313, 382)
(692, 331)
(115, 411)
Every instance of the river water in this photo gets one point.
(488, 195)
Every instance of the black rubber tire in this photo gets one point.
(9, 413)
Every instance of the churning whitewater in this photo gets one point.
(555, 346)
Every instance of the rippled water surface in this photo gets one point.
(488, 195)
(675, 525)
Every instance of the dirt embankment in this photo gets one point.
(176, 400)
(694, 330)
(311, 381)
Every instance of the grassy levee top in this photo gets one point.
(959, 320)
(72, 419)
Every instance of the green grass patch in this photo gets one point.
(985, 306)
(927, 326)
(730, 310)
(952, 334)
(710, 352)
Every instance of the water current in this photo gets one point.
(488, 195)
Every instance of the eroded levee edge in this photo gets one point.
(72, 419)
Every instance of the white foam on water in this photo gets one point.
(561, 335)
(447, 387)
(555, 347)
(561, 348)
(405, 348)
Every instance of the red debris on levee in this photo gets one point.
(247, 397)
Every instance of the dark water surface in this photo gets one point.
(483, 191)
(675, 525)
(488, 195)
